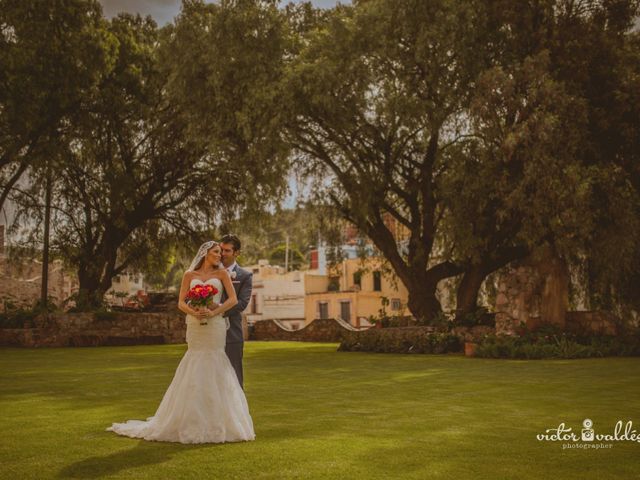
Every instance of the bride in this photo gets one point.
(204, 403)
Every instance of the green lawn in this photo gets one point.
(320, 414)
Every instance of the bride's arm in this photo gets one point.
(232, 298)
(182, 305)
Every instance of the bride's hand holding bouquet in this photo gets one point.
(200, 300)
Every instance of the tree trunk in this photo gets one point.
(467, 294)
(90, 295)
(422, 287)
(94, 281)
(98, 267)
(424, 305)
(555, 293)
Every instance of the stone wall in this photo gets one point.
(531, 291)
(20, 281)
(84, 329)
(518, 298)
(319, 330)
(123, 328)
(593, 322)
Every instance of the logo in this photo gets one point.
(587, 431)
(588, 437)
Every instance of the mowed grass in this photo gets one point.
(319, 413)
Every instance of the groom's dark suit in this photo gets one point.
(243, 283)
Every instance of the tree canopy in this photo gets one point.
(457, 136)
(473, 130)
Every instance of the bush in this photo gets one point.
(401, 340)
(14, 316)
(17, 318)
(532, 346)
(480, 316)
(104, 315)
(441, 321)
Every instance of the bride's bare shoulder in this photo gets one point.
(189, 275)
(222, 273)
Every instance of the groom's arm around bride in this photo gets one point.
(243, 284)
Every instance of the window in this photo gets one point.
(396, 304)
(377, 281)
(357, 279)
(323, 310)
(345, 310)
(254, 303)
(334, 284)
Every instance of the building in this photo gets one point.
(357, 288)
(276, 295)
(353, 291)
(125, 286)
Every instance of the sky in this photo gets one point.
(163, 11)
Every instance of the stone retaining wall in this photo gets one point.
(83, 330)
(123, 328)
(319, 330)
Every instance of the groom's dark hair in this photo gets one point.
(232, 239)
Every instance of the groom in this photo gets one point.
(243, 283)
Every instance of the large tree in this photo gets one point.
(465, 123)
(552, 155)
(51, 55)
(140, 166)
(379, 91)
(127, 168)
(226, 66)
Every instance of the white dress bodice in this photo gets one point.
(216, 282)
(213, 335)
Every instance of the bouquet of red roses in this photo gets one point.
(201, 296)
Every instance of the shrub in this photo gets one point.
(480, 316)
(401, 340)
(20, 316)
(534, 346)
(104, 315)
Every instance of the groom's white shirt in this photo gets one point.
(232, 267)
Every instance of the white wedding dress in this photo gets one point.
(204, 403)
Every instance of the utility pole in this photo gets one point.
(286, 255)
(45, 249)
